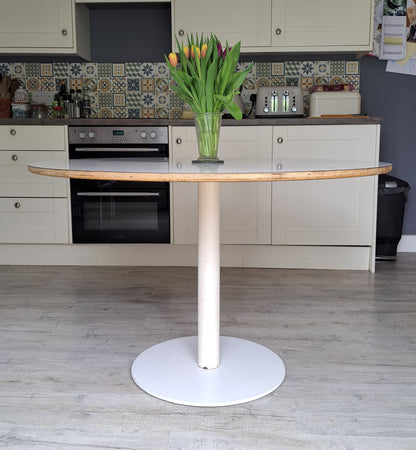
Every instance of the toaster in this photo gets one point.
(279, 101)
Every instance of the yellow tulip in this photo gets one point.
(204, 49)
(173, 59)
(186, 51)
(198, 51)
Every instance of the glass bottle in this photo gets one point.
(86, 103)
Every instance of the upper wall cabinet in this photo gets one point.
(279, 25)
(46, 26)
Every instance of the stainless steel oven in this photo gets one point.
(111, 211)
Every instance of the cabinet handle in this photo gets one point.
(179, 165)
(278, 31)
(280, 140)
(179, 141)
(12, 131)
(181, 32)
(15, 157)
(64, 32)
(17, 205)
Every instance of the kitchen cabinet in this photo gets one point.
(245, 207)
(33, 209)
(279, 25)
(46, 26)
(325, 212)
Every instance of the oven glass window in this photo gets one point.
(119, 213)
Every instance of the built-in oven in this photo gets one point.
(109, 211)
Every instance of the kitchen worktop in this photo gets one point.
(190, 122)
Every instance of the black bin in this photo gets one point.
(392, 196)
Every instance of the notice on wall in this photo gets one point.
(393, 38)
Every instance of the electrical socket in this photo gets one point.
(43, 97)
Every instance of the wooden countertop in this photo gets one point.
(189, 122)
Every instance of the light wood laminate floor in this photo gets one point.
(68, 336)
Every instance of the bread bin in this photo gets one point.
(334, 103)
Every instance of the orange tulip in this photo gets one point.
(173, 59)
(186, 51)
(198, 51)
(204, 49)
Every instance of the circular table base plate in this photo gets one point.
(169, 371)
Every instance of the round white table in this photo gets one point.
(209, 369)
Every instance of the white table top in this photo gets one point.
(134, 169)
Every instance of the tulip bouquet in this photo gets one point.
(207, 80)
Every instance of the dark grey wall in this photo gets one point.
(392, 97)
(129, 32)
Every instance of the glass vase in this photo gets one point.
(208, 127)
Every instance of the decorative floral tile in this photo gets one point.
(91, 83)
(306, 83)
(148, 113)
(263, 69)
(60, 70)
(104, 70)
(292, 68)
(133, 113)
(175, 101)
(322, 68)
(75, 83)
(307, 68)
(351, 67)
(148, 99)
(118, 70)
(105, 100)
(263, 82)
(33, 84)
(119, 99)
(337, 68)
(5, 69)
(120, 113)
(175, 113)
(337, 80)
(104, 85)
(321, 80)
(354, 80)
(162, 113)
(161, 70)
(278, 69)
(46, 70)
(47, 84)
(89, 70)
(147, 70)
(292, 81)
(105, 113)
(161, 85)
(148, 84)
(162, 100)
(18, 70)
(133, 100)
(133, 84)
(75, 70)
(133, 70)
(278, 81)
(119, 85)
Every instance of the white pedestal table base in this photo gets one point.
(247, 371)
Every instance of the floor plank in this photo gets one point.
(69, 335)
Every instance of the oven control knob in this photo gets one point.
(294, 109)
(153, 134)
(266, 109)
(91, 135)
(82, 135)
(143, 134)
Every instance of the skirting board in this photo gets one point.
(407, 243)
(262, 256)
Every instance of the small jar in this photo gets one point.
(38, 111)
(21, 95)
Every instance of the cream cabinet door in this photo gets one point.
(40, 23)
(325, 212)
(247, 21)
(245, 207)
(322, 25)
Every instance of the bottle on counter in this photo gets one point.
(71, 111)
(61, 94)
(77, 104)
(86, 103)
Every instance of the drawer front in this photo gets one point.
(30, 137)
(16, 180)
(34, 221)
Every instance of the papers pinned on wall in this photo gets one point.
(393, 38)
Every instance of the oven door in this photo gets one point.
(119, 212)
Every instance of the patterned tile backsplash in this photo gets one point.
(141, 90)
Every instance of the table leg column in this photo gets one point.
(208, 275)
